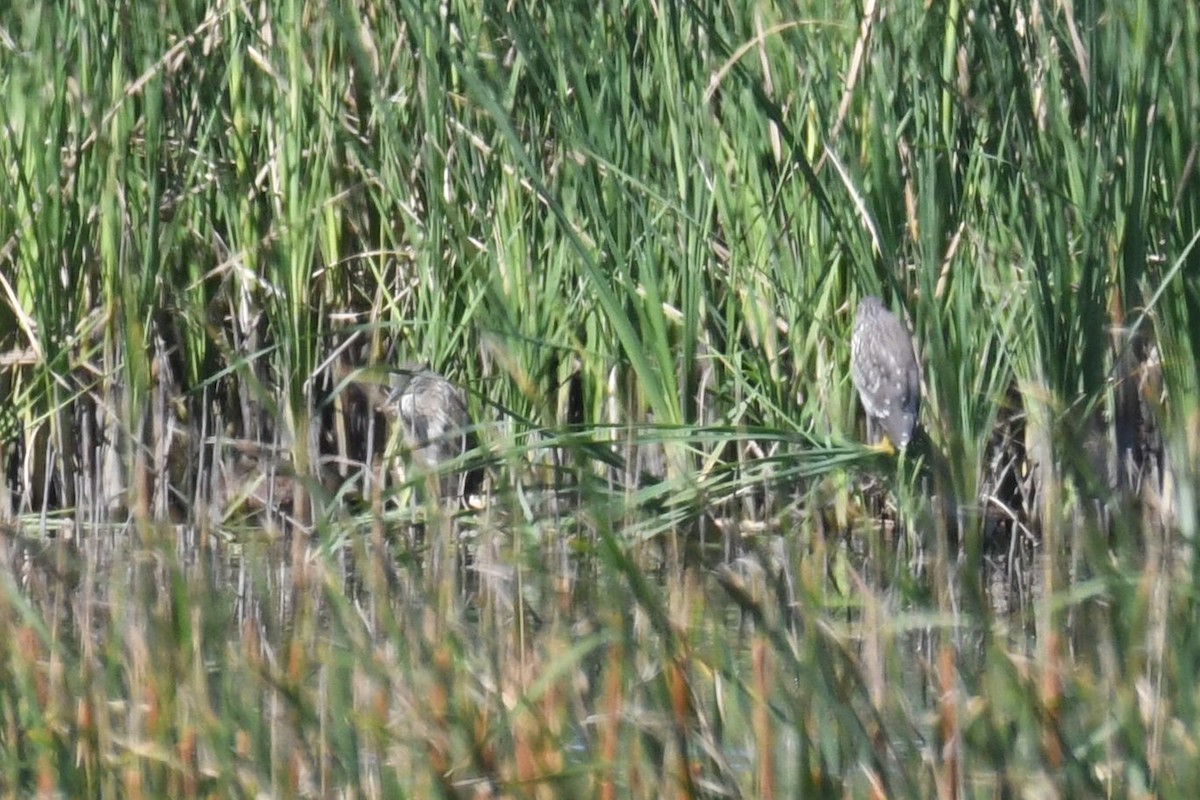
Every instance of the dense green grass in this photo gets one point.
(636, 234)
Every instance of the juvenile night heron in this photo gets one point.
(434, 426)
(884, 367)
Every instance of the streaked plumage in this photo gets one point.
(885, 372)
(435, 425)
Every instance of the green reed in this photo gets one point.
(636, 235)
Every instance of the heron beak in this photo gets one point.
(884, 447)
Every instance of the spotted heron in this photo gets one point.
(435, 427)
(884, 367)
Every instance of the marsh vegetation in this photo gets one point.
(634, 236)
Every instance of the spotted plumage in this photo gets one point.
(885, 372)
(435, 425)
